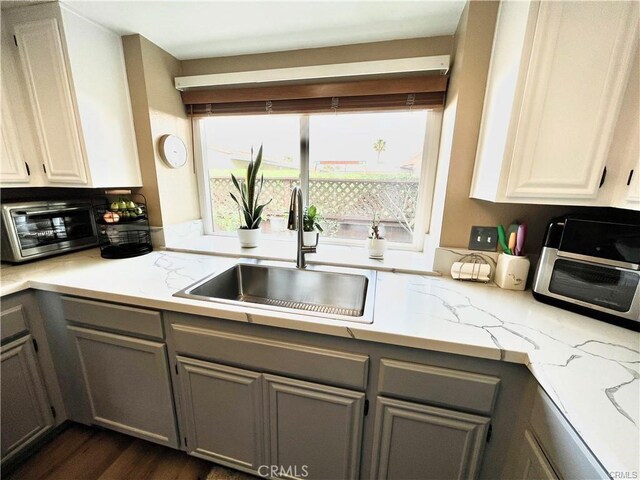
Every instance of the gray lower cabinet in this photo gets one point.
(267, 424)
(563, 448)
(127, 383)
(26, 413)
(532, 464)
(222, 411)
(415, 441)
(313, 430)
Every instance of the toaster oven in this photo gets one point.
(37, 229)
(591, 266)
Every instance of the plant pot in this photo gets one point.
(376, 247)
(249, 238)
(310, 239)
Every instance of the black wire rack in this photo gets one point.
(122, 224)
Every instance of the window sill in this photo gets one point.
(282, 250)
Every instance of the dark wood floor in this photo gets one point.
(84, 453)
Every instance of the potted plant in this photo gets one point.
(376, 244)
(247, 198)
(311, 226)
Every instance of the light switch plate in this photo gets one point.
(484, 239)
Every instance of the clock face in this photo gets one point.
(173, 151)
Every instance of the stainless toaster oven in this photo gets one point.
(591, 266)
(32, 230)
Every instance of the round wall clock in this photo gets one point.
(173, 151)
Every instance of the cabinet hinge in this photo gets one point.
(35, 344)
(28, 169)
(630, 177)
(15, 40)
(53, 411)
(489, 432)
(366, 407)
(604, 176)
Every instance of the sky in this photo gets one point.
(334, 138)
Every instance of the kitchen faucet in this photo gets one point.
(296, 214)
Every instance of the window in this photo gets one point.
(352, 166)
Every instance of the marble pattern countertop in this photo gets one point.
(590, 369)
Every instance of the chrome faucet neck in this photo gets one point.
(296, 222)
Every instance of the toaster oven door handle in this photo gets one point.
(44, 212)
(601, 261)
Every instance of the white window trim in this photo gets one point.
(425, 195)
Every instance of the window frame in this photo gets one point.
(431, 146)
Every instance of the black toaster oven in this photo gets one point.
(592, 266)
(32, 230)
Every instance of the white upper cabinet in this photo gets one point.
(74, 74)
(558, 74)
(48, 84)
(13, 167)
(624, 156)
(19, 158)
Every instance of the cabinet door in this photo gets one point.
(222, 410)
(26, 413)
(580, 59)
(632, 197)
(127, 382)
(13, 167)
(312, 430)
(532, 464)
(413, 441)
(49, 84)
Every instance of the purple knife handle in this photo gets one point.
(521, 236)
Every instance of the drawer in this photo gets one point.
(118, 318)
(13, 322)
(262, 354)
(443, 386)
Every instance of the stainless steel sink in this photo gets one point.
(338, 293)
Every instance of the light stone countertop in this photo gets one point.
(589, 368)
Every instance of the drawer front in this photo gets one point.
(13, 322)
(119, 318)
(443, 386)
(261, 354)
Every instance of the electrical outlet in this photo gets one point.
(484, 239)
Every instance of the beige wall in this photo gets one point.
(413, 47)
(158, 110)
(471, 55)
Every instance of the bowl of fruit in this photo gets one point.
(123, 210)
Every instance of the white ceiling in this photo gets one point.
(197, 29)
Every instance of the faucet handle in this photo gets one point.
(292, 222)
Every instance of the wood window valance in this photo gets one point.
(426, 91)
